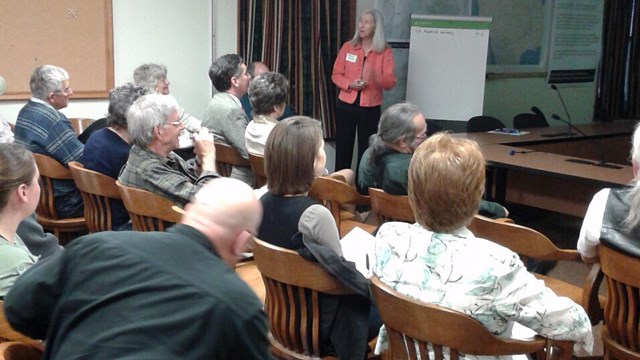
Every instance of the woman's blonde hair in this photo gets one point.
(446, 182)
(378, 43)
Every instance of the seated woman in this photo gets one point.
(402, 128)
(268, 95)
(439, 261)
(19, 195)
(107, 149)
(613, 216)
(294, 156)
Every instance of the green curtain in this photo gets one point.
(299, 39)
(618, 90)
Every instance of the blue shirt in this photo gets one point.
(106, 152)
(44, 130)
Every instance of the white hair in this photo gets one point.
(146, 113)
(46, 79)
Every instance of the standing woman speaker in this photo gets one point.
(362, 70)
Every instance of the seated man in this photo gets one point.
(224, 114)
(154, 129)
(613, 216)
(151, 295)
(254, 69)
(42, 129)
(384, 164)
(439, 261)
(107, 149)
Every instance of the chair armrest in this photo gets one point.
(590, 296)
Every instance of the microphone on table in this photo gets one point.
(599, 148)
(513, 152)
(566, 112)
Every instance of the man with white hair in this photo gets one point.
(42, 129)
(154, 128)
(151, 295)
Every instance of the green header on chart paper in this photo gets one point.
(451, 24)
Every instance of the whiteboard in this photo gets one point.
(447, 65)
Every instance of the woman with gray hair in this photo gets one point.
(268, 94)
(384, 165)
(613, 216)
(107, 149)
(153, 77)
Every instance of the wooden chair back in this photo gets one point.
(96, 189)
(227, 157)
(621, 333)
(415, 328)
(530, 244)
(293, 286)
(333, 193)
(46, 213)
(80, 124)
(389, 207)
(524, 241)
(148, 211)
(257, 166)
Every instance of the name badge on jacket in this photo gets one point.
(352, 58)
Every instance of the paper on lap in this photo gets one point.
(357, 246)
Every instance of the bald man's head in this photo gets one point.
(228, 213)
(256, 68)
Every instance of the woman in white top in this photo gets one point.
(268, 95)
(19, 194)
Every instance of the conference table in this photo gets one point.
(546, 168)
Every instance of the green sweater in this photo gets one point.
(390, 175)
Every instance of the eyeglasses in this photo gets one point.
(174, 123)
(66, 91)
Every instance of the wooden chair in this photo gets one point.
(7, 333)
(46, 213)
(414, 327)
(96, 189)
(389, 207)
(15, 350)
(529, 243)
(333, 193)
(227, 157)
(620, 335)
(79, 124)
(148, 211)
(257, 166)
(293, 286)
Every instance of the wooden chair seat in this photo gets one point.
(96, 189)
(46, 213)
(293, 286)
(333, 193)
(249, 273)
(148, 211)
(227, 157)
(414, 327)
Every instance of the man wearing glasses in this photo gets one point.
(152, 165)
(43, 129)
